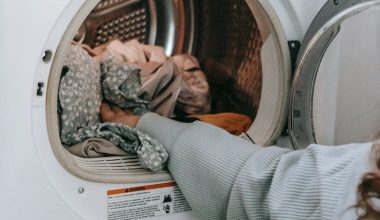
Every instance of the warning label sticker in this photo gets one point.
(145, 201)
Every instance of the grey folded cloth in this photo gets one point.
(96, 147)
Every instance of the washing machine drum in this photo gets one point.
(334, 98)
(233, 50)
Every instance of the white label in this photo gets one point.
(145, 201)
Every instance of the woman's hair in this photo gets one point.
(369, 189)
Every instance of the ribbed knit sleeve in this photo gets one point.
(204, 160)
(163, 129)
(225, 177)
(304, 184)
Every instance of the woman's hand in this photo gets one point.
(117, 115)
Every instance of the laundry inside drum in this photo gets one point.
(186, 60)
(223, 36)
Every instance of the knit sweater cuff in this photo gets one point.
(163, 129)
(205, 162)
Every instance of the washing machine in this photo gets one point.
(305, 71)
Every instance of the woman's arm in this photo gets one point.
(204, 160)
(223, 176)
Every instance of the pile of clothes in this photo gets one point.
(138, 78)
(166, 82)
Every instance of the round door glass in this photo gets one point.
(346, 100)
(335, 97)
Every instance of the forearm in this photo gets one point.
(204, 160)
(223, 176)
(163, 129)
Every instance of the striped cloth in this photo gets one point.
(225, 177)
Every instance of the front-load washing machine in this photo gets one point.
(328, 95)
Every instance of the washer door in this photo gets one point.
(245, 25)
(335, 97)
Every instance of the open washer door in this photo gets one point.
(335, 97)
(256, 39)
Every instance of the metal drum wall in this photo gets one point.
(223, 35)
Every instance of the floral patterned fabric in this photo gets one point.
(79, 92)
(121, 84)
(150, 152)
(80, 98)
